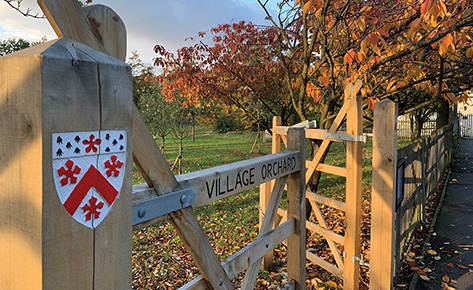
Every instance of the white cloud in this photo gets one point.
(13, 24)
(169, 22)
(148, 22)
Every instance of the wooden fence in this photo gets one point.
(403, 180)
(420, 167)
(210, 185)
(346, 264)
(68, 247)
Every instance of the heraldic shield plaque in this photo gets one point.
(88, 170)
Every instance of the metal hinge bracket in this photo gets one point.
(161, 205)
(346, 137)
(360, 259)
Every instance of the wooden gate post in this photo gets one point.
(383, 204)
(296, 244)
(266, 188)
(65, 223)
(353, 193)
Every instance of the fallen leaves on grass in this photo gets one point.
(446, 279)
(425, 278)
(432, 252)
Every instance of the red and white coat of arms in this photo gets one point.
(88, 170)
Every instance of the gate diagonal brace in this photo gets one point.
(161, 205)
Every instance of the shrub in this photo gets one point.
(223, 124)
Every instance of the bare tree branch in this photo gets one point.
(16, 4)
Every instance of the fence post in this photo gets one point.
(353, 195)
(382, 194)
(266, 188)
(296, 244)
(58, 109)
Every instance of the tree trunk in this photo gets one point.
(443, 113)
(193, 129)
(419, 127)
(180, 156)
(162, 146)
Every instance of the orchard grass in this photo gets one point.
(160, 261)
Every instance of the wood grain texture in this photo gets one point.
(336, 170)
(69, 20)
(266, 225)
(326, 200)
(108, 29)
(296, 201)
(70, 103)
(97, 26)
(254, 251)
(265, 189)
(383, 201)
(113, 242)
(213, 184)
(353, 188)
(21, 194)
(328, 235)
(326, 265)
(326, 142)
(156, 169)
(45, 94)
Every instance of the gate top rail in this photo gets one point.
(213, 184)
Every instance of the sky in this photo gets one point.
(148, 22)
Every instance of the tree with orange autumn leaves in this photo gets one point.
(239, 70)
(397, 48)
(302, 62)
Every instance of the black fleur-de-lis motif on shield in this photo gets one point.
(121, 137)
(77, 139)
(115, 142)
(107, 149)
(59, 140)
(107, 137)
(121, 147)
(59, 153)
(77, 151)
(68, 145)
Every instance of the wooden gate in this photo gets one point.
(166, 198)
(347, 264)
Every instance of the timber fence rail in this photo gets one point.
(346, 263)
(285, 169)
(420, 167)
(402, 182)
